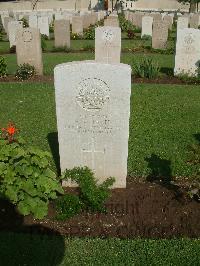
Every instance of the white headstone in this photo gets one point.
(28, 48)
(43, 25)
(93, 109)
(182, 23)
(147, 26)
(13, 27)
(108, 44)
(187, 59)
(33, 21)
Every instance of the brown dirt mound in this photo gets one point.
(144, 210)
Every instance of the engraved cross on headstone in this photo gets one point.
(92, 157)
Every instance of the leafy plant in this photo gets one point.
(76, 36)
(25, 22)
(43, 42)
(67, 206)
(147, 68)
(92, 195)
(89, 34)
(26, 178)
(13, 49)
(25, 71)
(3, 67)
(146, 37)
(131, 34)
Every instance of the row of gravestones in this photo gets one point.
(79, 23)
(93, 106)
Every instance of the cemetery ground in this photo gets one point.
(164, 123)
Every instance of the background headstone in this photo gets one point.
(13, 27)
(147, 26)
(108, 44)
(77, 25)
(62, 33)
(160, 35)
(93, 109)
(187, 59)
(28, 48)
(43, 25)
(182, 22)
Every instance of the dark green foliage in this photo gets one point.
(67, 206)
(1, 26)
(3, 67)
(26, 178)
(13, 49)
(25, 71)
(92, 195)
(89, 34)
(76, 36)
(131, 34)
(25, 22)
(43, 42)
(146, 68)
(146, 37)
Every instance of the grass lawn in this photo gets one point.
(164, 122)
(79, 44)
(24, 249)
(50, 60)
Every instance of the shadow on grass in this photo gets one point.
(23, 244)
(54, 146)
(161, 173)
(197, 137)
(168, 71)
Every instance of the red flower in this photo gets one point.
(10, 131)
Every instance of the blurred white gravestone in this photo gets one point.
(43, 25)
(108, 44)
(28, 48)
(33, 21)
(182, 22)
(77, 25)
(93, 109)
(62, 33)
(13, 27)
(187, 59)
(147, 26)
(160, 34)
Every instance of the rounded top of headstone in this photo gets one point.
(93, 63)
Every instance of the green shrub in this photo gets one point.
(25, 22)
(26, 178)
(89, 34)
(43, 42)
(146, 37)
(51, 27)
(1, 26)
(92, 195)
(147, 68)
(13, 49)
(3, 67)
(25, 71)
(76, 36)
(67, 206)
